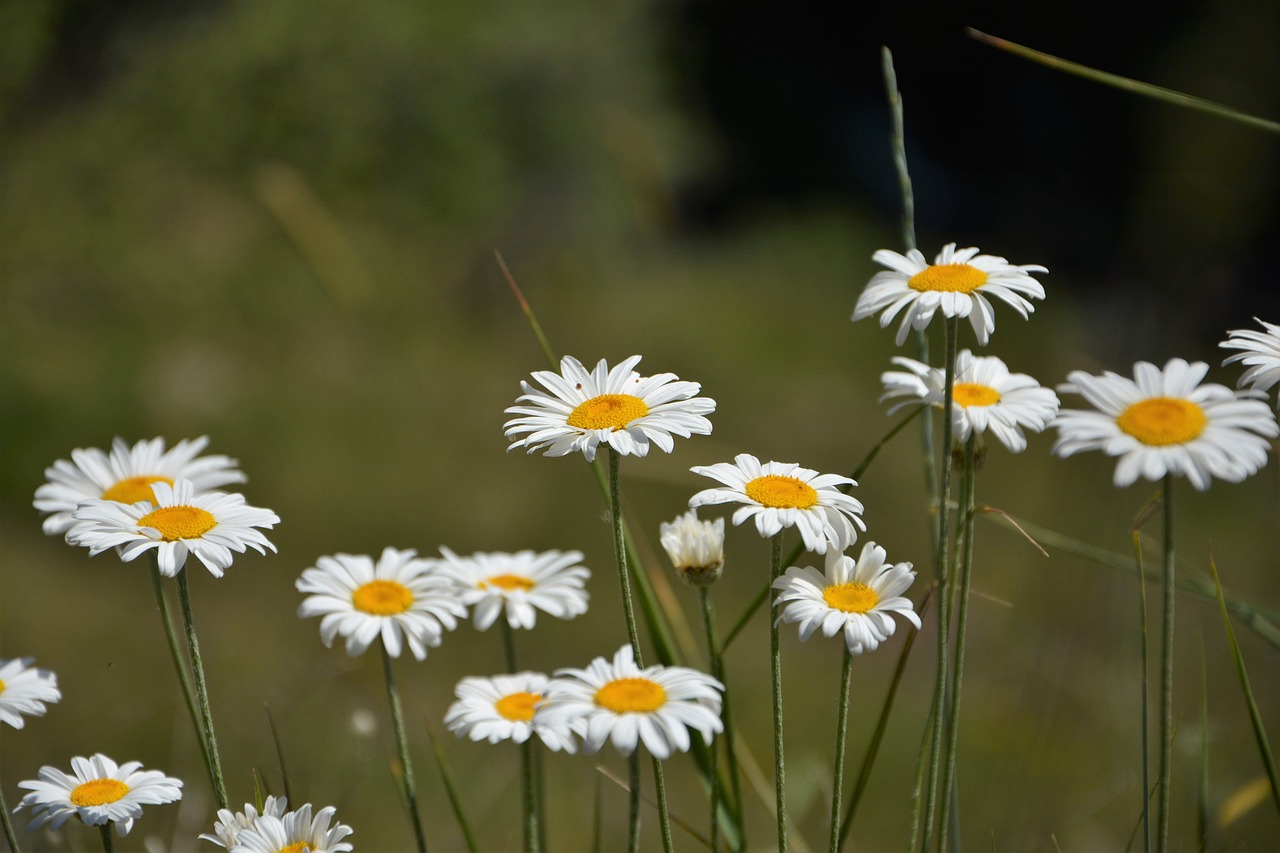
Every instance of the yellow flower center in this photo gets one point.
(179, 522)
(608, 411)
(382, 598)
(1161, 421)
(510, 583)
(99, 792)
(948, 278)
(968, 394)
(851, 597)
(130, 490)
(1, 685)
(517, 707)
(781, 492)
(295, 847)
(638, 695)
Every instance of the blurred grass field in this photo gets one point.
(274, 224)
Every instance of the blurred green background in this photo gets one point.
(274, 224)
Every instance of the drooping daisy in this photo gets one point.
(294, 831)
(617, 407)
(230, 824)
(126, 475)
(97, 791)
(1166, 421)
(1259, 352)
(181, 522)
(696, 547)
(622, 703)
(782, 494)
(985, 396)
(855, 598)
(24, 690)
(399, 599)
(957, 282)
(521, 583)
(502, 708)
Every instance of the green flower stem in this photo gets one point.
(108, 843)
(202, 693)
(633, 815)
(9, 834)
(1166, 675)
(664, 814)
(717, 672)
(402, 747)
(1145, 685)
(175, 653)
(775, 659)
(620, 550)
(842, 722)
(530, 795)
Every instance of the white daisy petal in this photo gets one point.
(98, 792)
(25, 690)
(518, 584)
(296, 830)
(1259, 352)
(502, 708)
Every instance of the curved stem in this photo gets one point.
(775, 658)
(1166, 673)
(175, 654)
(9, 834)
(402, 747)
(842, 722)
(202, 693)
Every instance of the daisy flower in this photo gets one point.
(399, 599)
(620, 702)
(781, 494)
(855, 598)
(1259, 352)
(958, 282)
(1167, 422)
(98, 792)
(230, 824)
(502, 708)
(618, 407)
(521, 584)
(294, 831)
(696, 547)
(986, 396)
(24, 690)
(126, 475)
(180, 522)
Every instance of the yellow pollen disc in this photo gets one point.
(638, 695)
(179, 522)
(1161, 421)
(130, 490)
(99, 792)
(948, 278)
(781, 492)
(517, 707)
(382, 598)
(1, 685)
(851, 597)
(970, 394)
(508, 582)
(295, 847)
(608, 411)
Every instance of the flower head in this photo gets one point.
(985, 397)
(620, 702)
(1259, 352)
(24, 690)
(618, 407)
(98, 791)
(230, 824)
(180, 522)
(957, 282)
(696, 547)
(399, 599)
(293, 831)
(502, 708)
(781, 494)
(521, 584)
(126, 475)
(1167, 422)
(855, 598)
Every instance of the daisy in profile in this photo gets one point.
(853, 598)
(618, 701)
(1259, 352)
(581, 409)
(230, 824)
(502, 708)
(24, 690)
(957, 283)
(985, 396)
(294, 831)
(97, 791)
(1165, 421)
(519, 584)
(398, 599)
(781, 494)
(696, 547)
(181, 521)
(126, 474)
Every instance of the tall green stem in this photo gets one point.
(633, 815)
(175, 654)
(842, 722)
(1166, 674)
(202, 693)
(402, 747)
(775, 670)
(530, 794)
(108, 843)
(620, 550)
(9, 834)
